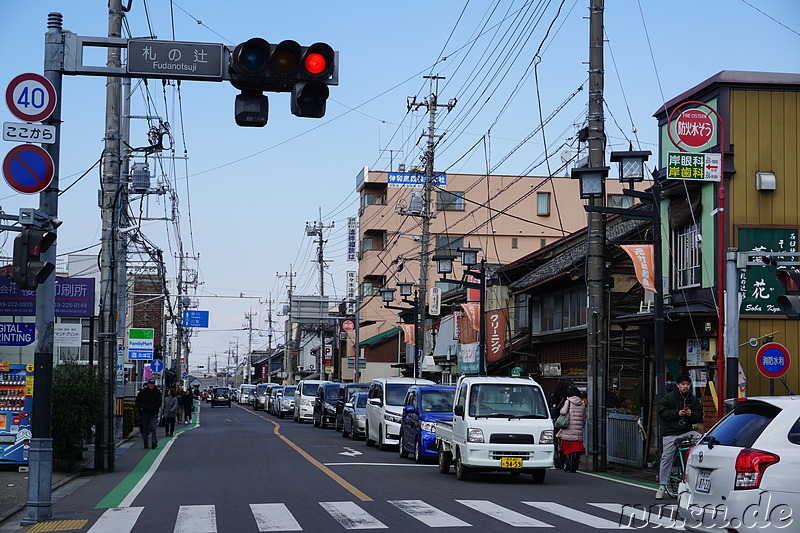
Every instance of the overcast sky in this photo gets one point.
(245, 194)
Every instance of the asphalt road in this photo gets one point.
(245, 471)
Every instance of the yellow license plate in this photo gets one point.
(510, 462)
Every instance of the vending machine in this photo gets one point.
(16, 406)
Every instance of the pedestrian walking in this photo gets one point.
(557, 399)
(149, 402)
(678, 410)
(572, 435)
(188, 405)
(179, 397)
(170, 412)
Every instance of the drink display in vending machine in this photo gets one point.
(16, 406)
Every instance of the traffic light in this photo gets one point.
(790, 301)
(27, 270)
(257, 66)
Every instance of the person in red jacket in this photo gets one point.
(572, 435)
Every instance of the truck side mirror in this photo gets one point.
(409, 408)
(458, 410)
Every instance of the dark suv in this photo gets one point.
(220, 396)
(325, 404)
(345, 391)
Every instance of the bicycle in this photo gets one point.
(682, 447)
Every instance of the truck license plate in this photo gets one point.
(510, 462)
(703, 481)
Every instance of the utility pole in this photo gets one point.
(289, 344)
(249, 327)
(597, 320)
(431, 103)
(269, 341)
(317, 230)
(40, 454)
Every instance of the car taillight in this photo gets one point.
(750, 466)
(686, 461)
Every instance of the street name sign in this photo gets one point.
(140, 343)
(28, 169)
(694, 166)
(193, 318)
(173, 59)
(31, 97)
(29, 133)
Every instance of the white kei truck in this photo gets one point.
(499, 424)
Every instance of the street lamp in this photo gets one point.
(592, 180)
(469, 258)
(631, 165)
(406, 290)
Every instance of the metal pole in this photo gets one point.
(732, 326)
(597, 332)
(356, 370)
(482, 333)
(40, 454)
(658, 311)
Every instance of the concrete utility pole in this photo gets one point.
(289, 346)
(269, 341)
(317, 230)
(249, 327)
(597, 320)
(431, 103)
(40, 454)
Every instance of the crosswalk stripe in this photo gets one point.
(503, 514)
(351, 516)
(274, 517)
(427, 514)
(196, 519)
(667, 517)
(576, 516)
(117, 520)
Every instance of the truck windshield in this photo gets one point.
(437, 401)
(502, 400)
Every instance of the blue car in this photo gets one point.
(423, 406)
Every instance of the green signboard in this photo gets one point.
(140, 343)
(694, 166)
(758, 286)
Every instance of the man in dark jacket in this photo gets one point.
(149, 402)
(679, 410)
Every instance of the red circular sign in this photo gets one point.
(31, 97)
(694, 128)
(348, 325)
(773, 360)
(28, 169)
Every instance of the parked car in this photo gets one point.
(261, 395)
(286, 401)
(235, 394)
(220, 396)
(325, 404)
(345, 392)
(499, 424)
(744, 470)
(304, 396)
(384, 407)
(423, 406)
(272, 407)
(245, 393)
(354, 416)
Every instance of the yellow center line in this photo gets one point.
(327, 471)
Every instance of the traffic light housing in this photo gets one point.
(789, 302)
(257, 66)
(27, 269)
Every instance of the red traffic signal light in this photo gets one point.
(27, 269)
(789, 302)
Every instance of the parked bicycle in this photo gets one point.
(682, 447)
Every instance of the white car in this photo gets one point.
(743, 475)
(385, 409)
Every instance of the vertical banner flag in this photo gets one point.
(496, 334)
(352, 291)
(642, 257)
(352, 237)
(473, 313)
(408, 333)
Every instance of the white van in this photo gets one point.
(304, 397)
(245, 392)
(385, 409)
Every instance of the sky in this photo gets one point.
(245, 195)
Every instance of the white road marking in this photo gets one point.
(196, 519)
(351, 452)
(503, 514)
(576, 516)
(427, 514)
(274, 517)
(117, 520)
(351, 516)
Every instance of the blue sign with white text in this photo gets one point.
(195, 319)
(16, 333)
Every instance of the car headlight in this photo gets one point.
(330, 409)
(546, 437)
(360, 417)
(428, 426)
(391, 418)
(475, 435)
(285, 403)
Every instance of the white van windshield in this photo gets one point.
(396, 393)
(309, 389)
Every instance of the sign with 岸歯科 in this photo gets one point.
(17, 333)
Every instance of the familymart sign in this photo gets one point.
(140, 343)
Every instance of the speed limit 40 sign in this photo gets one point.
(31, 97)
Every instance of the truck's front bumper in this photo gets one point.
(488, 456)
